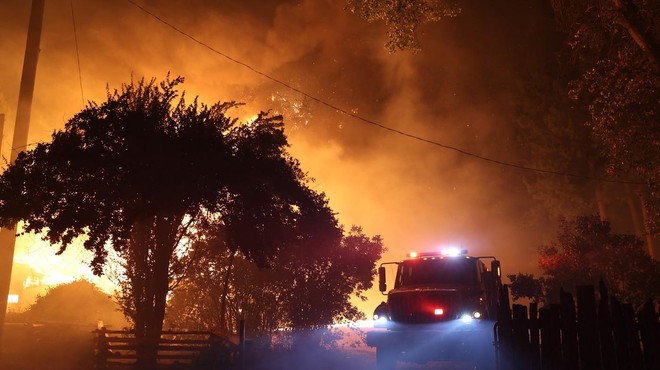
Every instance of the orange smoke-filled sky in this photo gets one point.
(457, 91)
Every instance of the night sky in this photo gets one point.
(458, 91)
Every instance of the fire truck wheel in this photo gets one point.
(386, 358)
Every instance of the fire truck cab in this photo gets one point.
(443, 307)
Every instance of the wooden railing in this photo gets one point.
(594, 334)
(117, 349)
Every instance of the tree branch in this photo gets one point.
(629, 18)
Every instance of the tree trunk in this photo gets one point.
(155, 307)
(152, 250)
(631, 200)
(630, 19)
(649, 237)
(225, 290)
(600, 203)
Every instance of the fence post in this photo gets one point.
(241, 341)
(620, 342)
(101, 349)
(550, 338)
(535, 362)
(607, 349)
(650, 333)
(520, 338)
(632, 337)
(504, 330)
(586, 326)
(569, 343)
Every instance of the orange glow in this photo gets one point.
(410, 193)
(43, 269)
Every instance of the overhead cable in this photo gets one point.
(369, 121)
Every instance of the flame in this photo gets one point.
(250, 119)
(47, 269)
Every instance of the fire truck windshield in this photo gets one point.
(437, 271)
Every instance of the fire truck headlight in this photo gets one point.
(380, 321)
(467, 317)
(381, 318)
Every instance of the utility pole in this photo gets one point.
(8, 236)
(2, 129)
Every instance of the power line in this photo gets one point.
(75, 36)
(371, 122)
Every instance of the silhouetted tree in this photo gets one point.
(197, 302)
(585, 252)
(327, 277)
(550, 131)
(144, 174)
(303, 288)
(527, 286)
(614, 53)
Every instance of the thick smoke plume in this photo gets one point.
(418, 196)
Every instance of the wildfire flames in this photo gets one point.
(37, 268)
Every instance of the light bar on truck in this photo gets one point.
(453, 252)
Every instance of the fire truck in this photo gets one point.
(443, 307)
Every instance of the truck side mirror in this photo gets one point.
(495, 269)
(382, 286)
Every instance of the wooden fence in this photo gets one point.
(117, 349)
(590, 334)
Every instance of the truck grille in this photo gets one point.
(417, 306)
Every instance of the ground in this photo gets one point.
(47, 347)
(64, 347)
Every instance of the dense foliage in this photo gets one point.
(146, 175)
(550, 131)
(403, 18)
(614, 53)
(302, 289)
(585, 252)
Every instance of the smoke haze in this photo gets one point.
(457, 91)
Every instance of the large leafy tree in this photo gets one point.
(201, 302)
(144, 173)
(614, 53)
(304, 288)
(550, 131)
(586, 251)
(328, 277)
